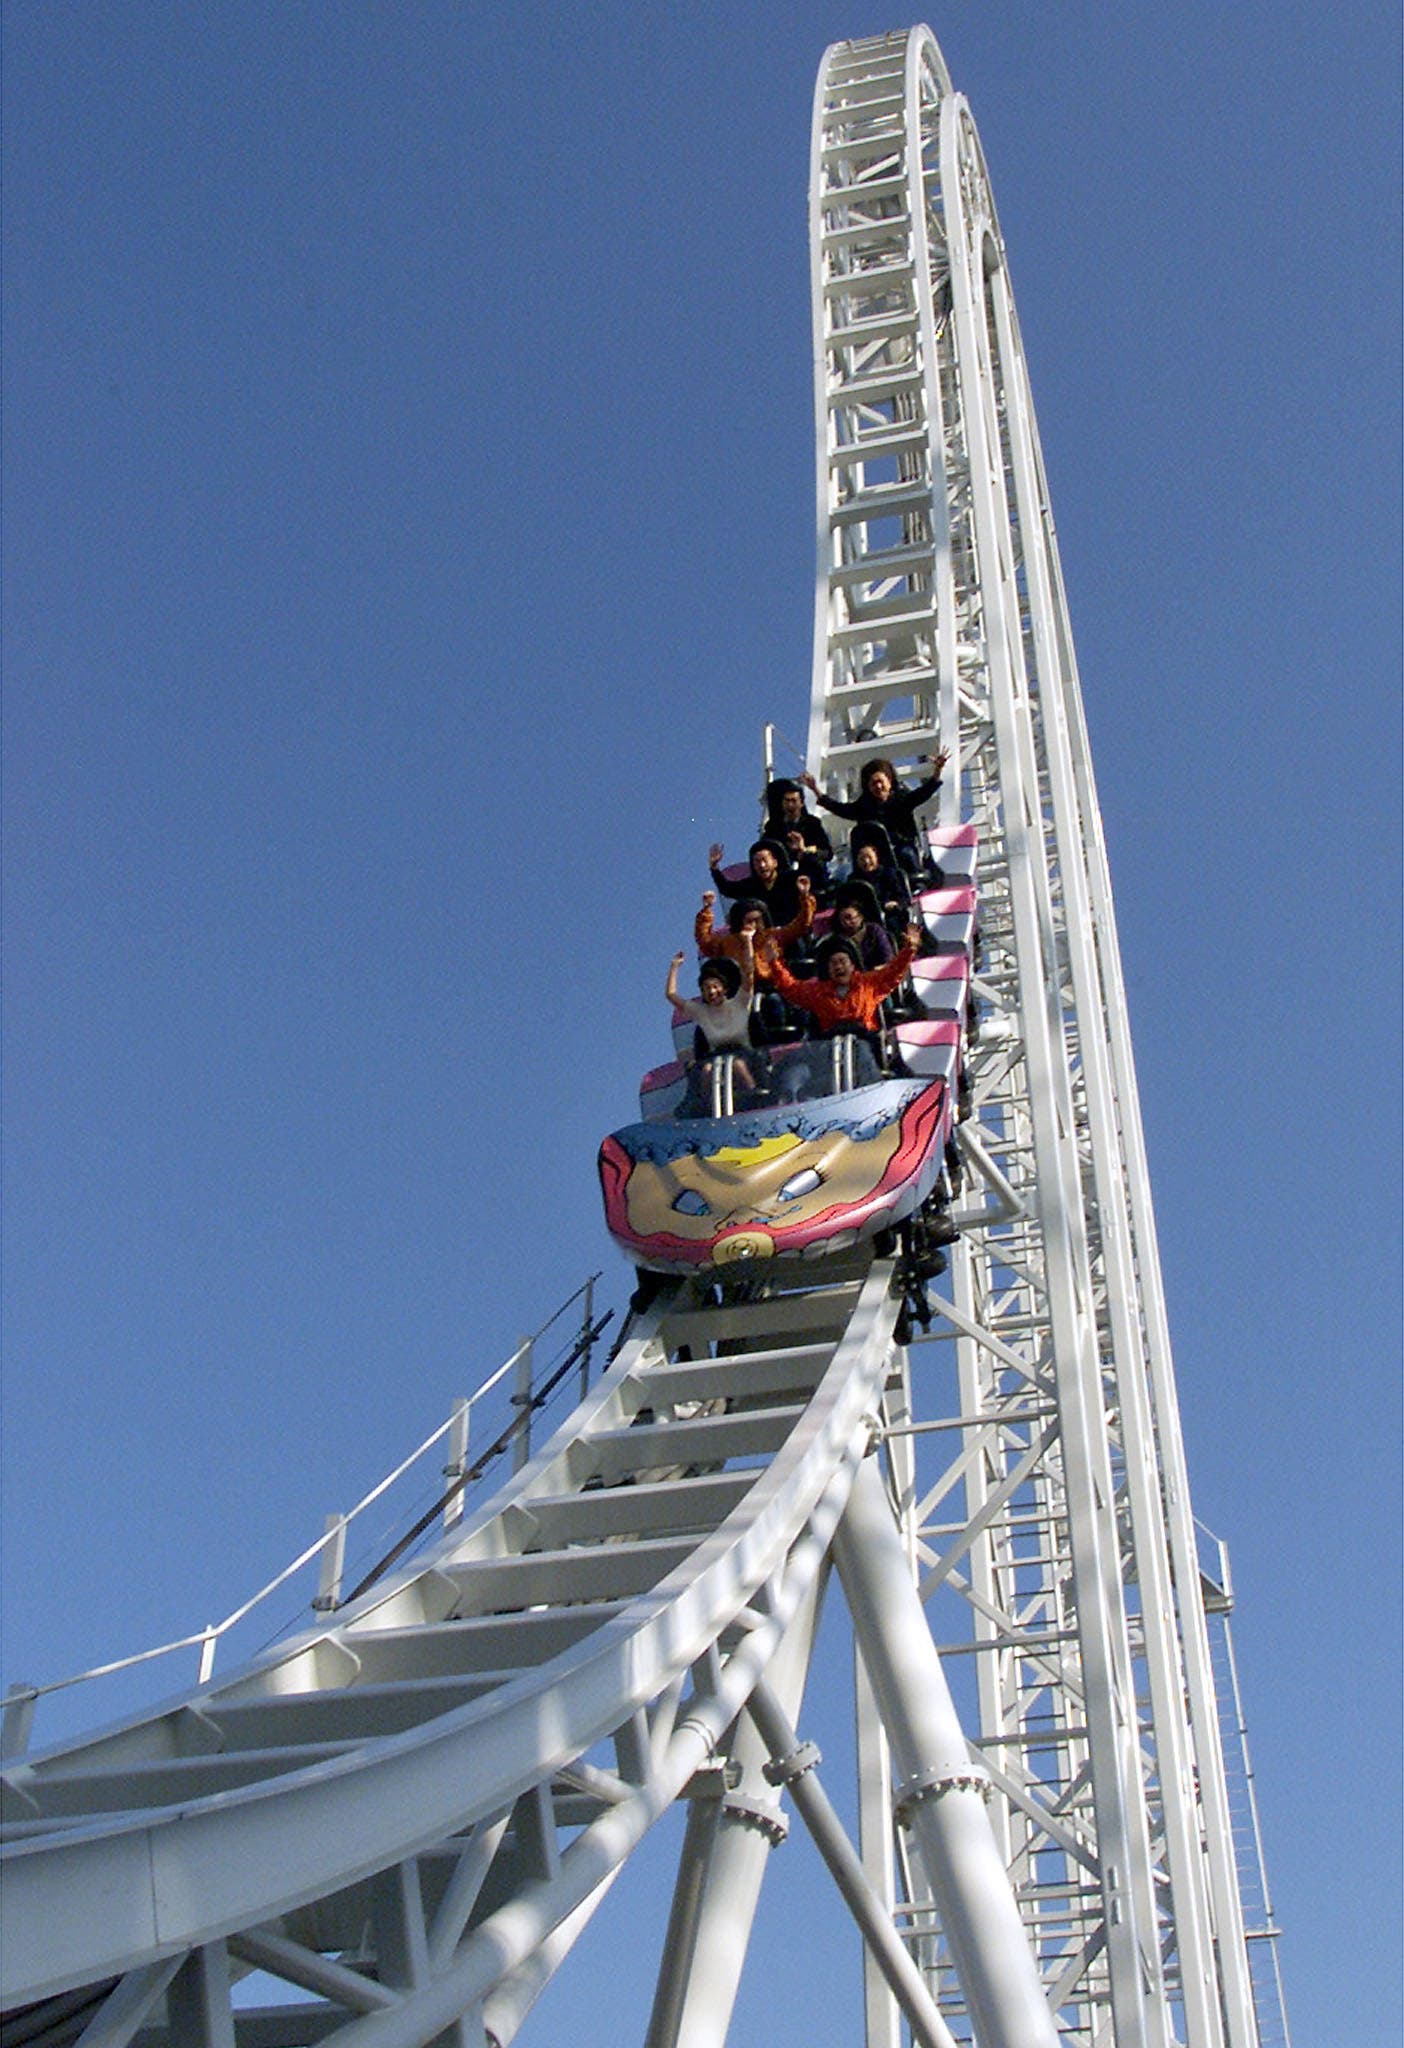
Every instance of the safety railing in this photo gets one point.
(529, 1392)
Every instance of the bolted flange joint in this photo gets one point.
(765, 1819)
(783, 1770)
(931, 1785)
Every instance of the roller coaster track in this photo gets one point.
(406, 1815)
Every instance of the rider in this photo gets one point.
(721, 1011)
(883, 800)
(771, 879)
(844, 997)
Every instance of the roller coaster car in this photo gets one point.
(803, 1179)
(797, 1180)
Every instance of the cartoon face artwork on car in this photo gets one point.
(801, 1181)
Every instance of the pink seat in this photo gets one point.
(942, 981)
(952, 848)
(931, 1047)
(661, 1090)
(949, 916)
(929, 1031)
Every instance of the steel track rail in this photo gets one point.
(488, 1731)
(1060, 1515)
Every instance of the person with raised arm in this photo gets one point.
(770, 880)
(721, 1013)
(883, 800)
(844, 997)
(746, 914)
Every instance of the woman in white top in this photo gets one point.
(721, 1010)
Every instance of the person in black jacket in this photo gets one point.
(883, 800)
(789, 819)
(858, 918)
(771, 880)
(873, 863)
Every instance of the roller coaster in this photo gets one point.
(403, 1818)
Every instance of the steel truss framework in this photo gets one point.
(1049, 1497)
(391, 1830)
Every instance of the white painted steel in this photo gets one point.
(707, 1944)
(409, 1813)
(1059, 1519)
(939, 1790)
(381, 1750)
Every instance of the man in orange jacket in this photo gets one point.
(845, 997)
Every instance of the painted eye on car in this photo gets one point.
(690, 1203)
(802, 1183)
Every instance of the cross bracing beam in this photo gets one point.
(1068, 1539)
(403, 1818)
(402, 1821)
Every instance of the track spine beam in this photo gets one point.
(1047, 1490)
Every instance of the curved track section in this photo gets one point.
(412, 1809)
(406, 1816)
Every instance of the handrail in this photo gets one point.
(20, 1701)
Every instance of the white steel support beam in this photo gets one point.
(721, 1878)
(940, 1789)
(940, 620)
(408, 1813)
(792, 1765)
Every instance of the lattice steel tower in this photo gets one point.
(1062, 1515)
(406, 1816)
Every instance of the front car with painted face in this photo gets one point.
(800, 1180)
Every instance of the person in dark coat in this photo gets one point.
(858, 918)
(873, 863)
(788, 819)
(883, 800)
(771, 880)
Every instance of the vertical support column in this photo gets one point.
(197, 2003)
(881, 2013)
(719, 1881)
(680, 1941)
(1138, 1996)
(942, 1789)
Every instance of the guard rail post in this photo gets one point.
(328, 1597)
(17, 1719)
(521, 1401)
(457, 1461)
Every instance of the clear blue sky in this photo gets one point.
(408, 528)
